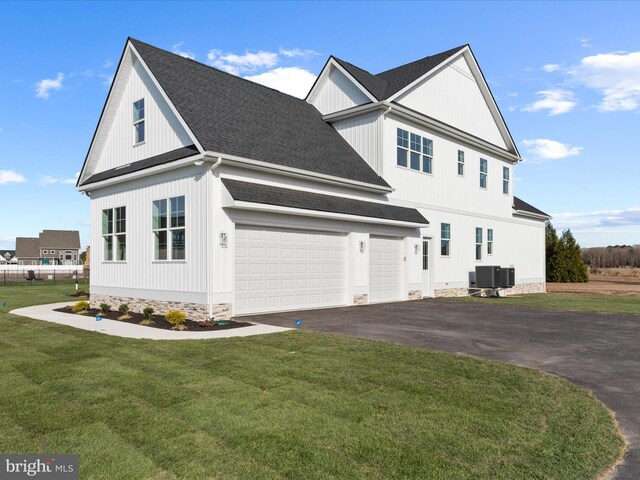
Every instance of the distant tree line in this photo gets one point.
(564, 260)
(615, 256)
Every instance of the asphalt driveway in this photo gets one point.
(599, 352)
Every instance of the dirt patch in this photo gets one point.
(159, 320)
(600, 284)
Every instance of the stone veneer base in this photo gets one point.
(415, 294)
(361, 299)
(194, 311)
(519, 289)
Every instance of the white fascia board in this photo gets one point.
(296, 172)
(166, 98)
(147, 172)
(451, 132)
(261, 207)
(332, 61)
(354, 111)
(535, 216)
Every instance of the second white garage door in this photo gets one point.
(386, 257)
(281, 269)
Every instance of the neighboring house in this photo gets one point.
(221, 197)
(8, 257)
(52, 247)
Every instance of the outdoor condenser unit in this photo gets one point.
(507, 277)
(488, 276)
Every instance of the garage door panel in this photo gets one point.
(288, 269)
(386, 257)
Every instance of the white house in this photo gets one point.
(221, 197)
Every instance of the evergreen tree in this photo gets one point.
(575, 267)
(552, 245)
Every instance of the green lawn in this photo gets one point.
(298, 405)
(569, 301)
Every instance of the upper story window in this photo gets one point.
(445, 239)
(483, 173)
(114, 234)
(416, 154)
(169, 229)
(505, 180)
(478, 243)
(138, 121)
(489, 241)
(460, 162)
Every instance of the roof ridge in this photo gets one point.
(213, 68)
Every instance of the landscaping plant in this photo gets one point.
(124, 312)
(177, 319)
(80, 307)
(148, 316)
(105, 308)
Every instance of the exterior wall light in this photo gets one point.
(362, 246)
(223, 239)
(416, 249)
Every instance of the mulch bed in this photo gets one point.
(159, 320)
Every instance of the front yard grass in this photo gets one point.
(569, 301)
(298, 405)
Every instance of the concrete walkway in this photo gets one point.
(130, 330)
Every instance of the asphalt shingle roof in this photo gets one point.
(385, 84)
(523, 206)
(234, 116)
(27, 247)
(154, 161)
(59, 239)
(286, 197)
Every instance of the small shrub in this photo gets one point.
(105, 308)
(177, 319)
(124, 310)
(148, 317)
(80, 307)
(80, 293)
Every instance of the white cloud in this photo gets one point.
(107, 64)
(555, 102)
(44, 86)
(236, 64)
(295, 81)
(49, 180)
(617, 77)
(177, 49)
(9, 176)
(584, 42)
(298, 52)
(545, 149)
(512, 94)
(599, 219)
(551, 67)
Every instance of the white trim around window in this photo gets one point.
(114, 235)
(169, 229)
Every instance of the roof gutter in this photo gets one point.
(296, 172)
(426, 121)
(536, 216)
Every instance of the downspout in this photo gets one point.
(209, 240)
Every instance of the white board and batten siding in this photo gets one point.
(163, 131)
(452, 96)
(336, 92)
(283, 269)
(364, 134)
(140, 275)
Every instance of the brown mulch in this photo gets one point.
(159, 321)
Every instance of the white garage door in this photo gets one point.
(385, 269)
(280, 269)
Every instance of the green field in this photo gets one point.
(569, 301)
(296, 405)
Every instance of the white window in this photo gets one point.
(460, 163)
(416, 154)
(478, 243)
(483, 173)
(114, 234)
(505, 180)
(138, 121)
(169, 229)
(489, 241)
(445, 239)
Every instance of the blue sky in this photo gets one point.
(566, 77)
